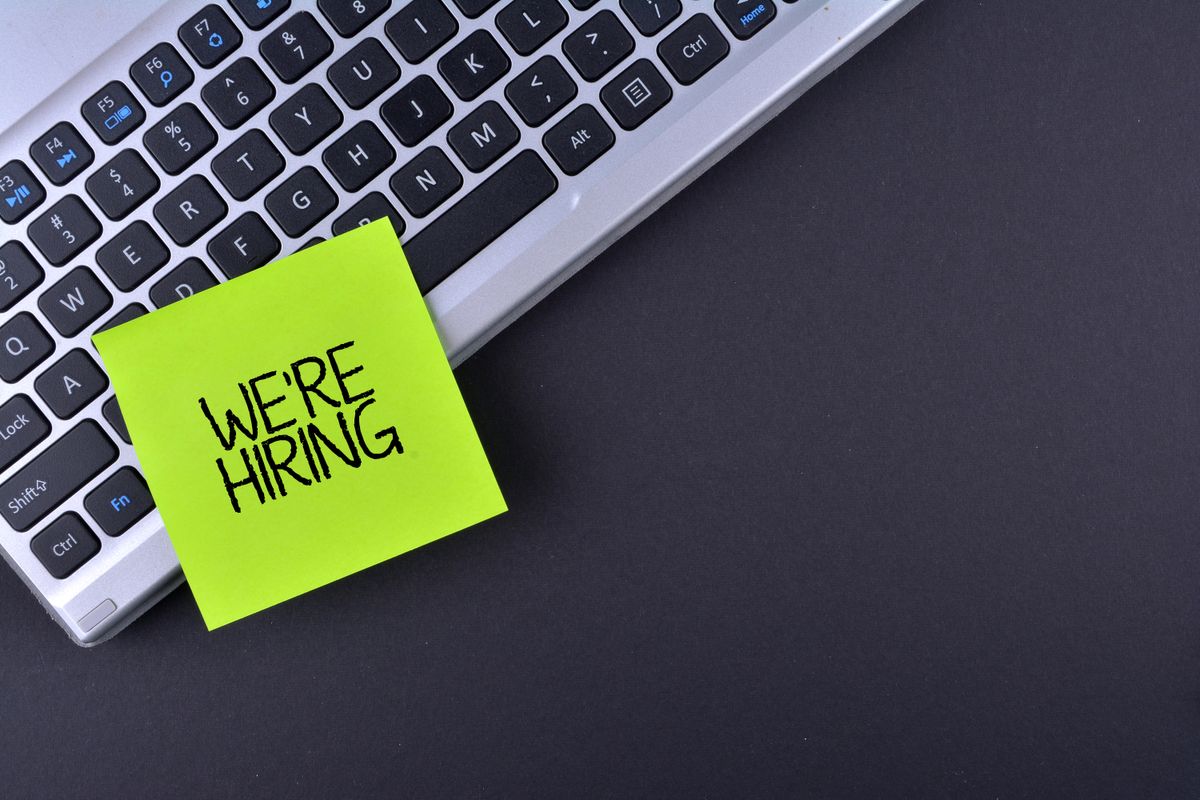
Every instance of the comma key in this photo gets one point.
(55, 474)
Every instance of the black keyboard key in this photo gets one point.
(247, 165)
(177, 140)
(24, 344)
(372, 207)
(651, 16)
(182, 282)
(210, 36)
(424, 183)
(190, 210)
(417, 110)
(474, 64)
(295, 47)
(71, 383)
(119, 501)
(122, 184)
(129, 312)
(132, 255)
(348, 17)
(20, 192)
(483, 136)
(238, 93)
(257, 14)
(113, 112)
(529, 24)
(161, 74)
(305, 118)
(578, 139)
(598, 45)
(112, 413)
(693, 49)
(301, 201)
(479, 218)
(746, 17)
(358, 155)
(75, 302)
(245, 245)
(55, 474)
(362, 74)
(635, 94)
(419, 28)
(64, 230)
(541, 90)
(19, 274)
(21, 427)
(473, 8)
(583, 5)
(65, 546)
(61, 153)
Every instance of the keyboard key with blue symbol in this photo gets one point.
(119, 501)
(61, 153)
(746, 17)
(161, 74)
(113, 112)
(210, 36)
(20, 192)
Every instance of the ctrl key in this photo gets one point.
(65, 545)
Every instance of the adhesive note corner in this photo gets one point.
(299, 424)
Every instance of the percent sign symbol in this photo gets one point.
(173, 130)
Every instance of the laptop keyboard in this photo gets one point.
(132, 141)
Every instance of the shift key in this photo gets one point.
(55, 474)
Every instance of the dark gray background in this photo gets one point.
(867, 467)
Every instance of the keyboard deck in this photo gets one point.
(262, 126)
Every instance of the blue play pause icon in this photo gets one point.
(18, 196)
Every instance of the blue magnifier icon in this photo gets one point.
(165, 76)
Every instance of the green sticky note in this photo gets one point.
(299, 423)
